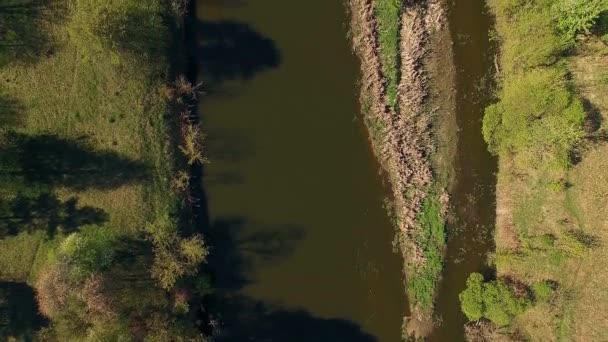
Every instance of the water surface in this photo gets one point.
(302, 243)
(470, 235)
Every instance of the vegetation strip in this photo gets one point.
(402, 137)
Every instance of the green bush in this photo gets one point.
(87, 252)
(471, 299)
(542, 291)
(536, 115)
(492, 300)
(580, 15)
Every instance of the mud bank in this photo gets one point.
(414, 141)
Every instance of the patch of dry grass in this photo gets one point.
(530, 212)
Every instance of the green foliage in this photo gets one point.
(471, 299)
(174, 256)
(577, 16)
(528, 33)
(423, 281)
(492, 300)
(388, 14)
(543, 291)
(536, 117)
(87, 252)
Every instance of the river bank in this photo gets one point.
(548, 129)
(414, 139)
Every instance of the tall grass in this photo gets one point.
(431, 241)
(388, 13)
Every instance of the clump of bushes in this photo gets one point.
(492, 300)
(543, 291)
(580, 15)
(537, 118)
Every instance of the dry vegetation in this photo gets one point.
(403, 140)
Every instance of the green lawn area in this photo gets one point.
(89, 122)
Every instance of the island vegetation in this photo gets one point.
(97, 142)
(548, 128)
(401, 45)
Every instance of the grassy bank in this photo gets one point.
(548, 129)
(407, 116)
(91, 217)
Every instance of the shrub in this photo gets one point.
(493, 300)
(543, 291)
(577, 16)
(536, 116)
(87, 252)
(471, 299)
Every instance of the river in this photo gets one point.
(470, 234)
(302, 242)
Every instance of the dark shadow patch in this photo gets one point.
(230, 50)
(240, 244)
(256, 321)
(53, 161)
(137, 33)
(19, 315)
(600, 28)
(46, 212)
(585, 239)
(593, 120)
(24, 30)
(11, 112)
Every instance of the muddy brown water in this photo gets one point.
(470, 234)
(302, 243)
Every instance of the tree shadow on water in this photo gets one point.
(242, 245)
(230, 50)
(54, 161)
(46, 212)
(256, 321)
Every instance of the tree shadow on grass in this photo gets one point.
(11, 112)
(19, 314)
(53, 161)
(230, 50)
(24, 31)
(47, 212)
(138, 33)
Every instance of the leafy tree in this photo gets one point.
(471, 298)
(536, 116)
(174, 256)
(492, 300)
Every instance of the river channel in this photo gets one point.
(470, 234)
(302, 241)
